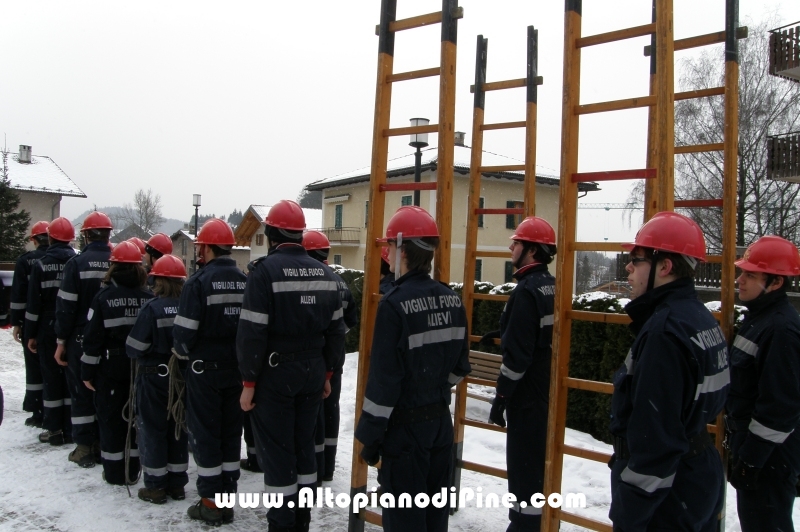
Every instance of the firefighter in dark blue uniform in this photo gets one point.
(19, 293)
(523, 387)
(163, 449)
(205, 332)
(82, 279)
(665, 472)
(105, 368)
(419, 352)
(327, 433)
(39, 329)
(251, 462)
(763, 408)
(290, 341)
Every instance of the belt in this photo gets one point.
(156, 370)
(276, 358)
(697, 444)
(736, 425)
(418, 414)
(199, 366)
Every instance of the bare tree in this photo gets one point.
(145, 211)
(767, 105)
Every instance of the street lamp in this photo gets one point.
(196, 203)
(418, 141)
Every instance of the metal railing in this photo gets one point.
(783, 156)
(342, 235)
(784, 51)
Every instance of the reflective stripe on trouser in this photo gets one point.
(214, 420)
(113, 386)
(164, 459)
(249, 439)
(55, 398)
(417, 458)
(526, 438)
(287, 402)
(327, 434)
(84, 426)
(34, 383)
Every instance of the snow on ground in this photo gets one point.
(41, 489)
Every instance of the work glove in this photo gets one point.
(371, 454)
(498, 408)
(488, 338)
(744, 476)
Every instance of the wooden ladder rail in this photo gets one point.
(447, 17)
(530, 82)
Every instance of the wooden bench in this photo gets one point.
(485, 370)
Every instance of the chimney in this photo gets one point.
(24, 153)
(460, 138)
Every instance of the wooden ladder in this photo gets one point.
(659, 196)
(448, 18)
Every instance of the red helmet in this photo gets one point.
(673, 232)
(537, 230)
(169, 266)
(286, 214)
(385, 254)
(771, 254)
(61, 229)
(97, 220)
(139, 243)
(216, 232)
(411, 222)
(127, 252)
(315, 240)
(161, 243)
(39, 228)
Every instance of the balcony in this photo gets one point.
(342, 236)
(783, 157)
(784, 52)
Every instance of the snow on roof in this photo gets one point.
(313, 216)
(42, 174)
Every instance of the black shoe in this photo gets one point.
(201, 512)
(227, 516)
(53, 437)
(34, 421)
(154, 495)
(83, 456)
(250, 465)
(45, 435)
(177, 494)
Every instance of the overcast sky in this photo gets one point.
(247, 102)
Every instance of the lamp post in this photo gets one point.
(418, 141)
(196, 203)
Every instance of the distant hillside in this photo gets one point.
(169, 226)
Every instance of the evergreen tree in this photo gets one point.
(13, 224)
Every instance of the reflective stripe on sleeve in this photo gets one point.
(775, 436)
(546, 320)
(31, 317)
(454, 379)
(255, 317)
(648, 483)
(713, 383)
(86, 359)
(136, 344)
(337, 315)
(186, 323)
(376, 409)
(69, 296)
(742, 343)
(513, 375)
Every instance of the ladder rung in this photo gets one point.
(414, 74)
(506, 84)
(371, 517)
(500, 211)
(595, 246)
(617, 35)
(702, 40)
(485, 469)
(419, 21)
(601, 317)
(614, 175)
(490, 297)
(585, 522)
(502, 168)
(399, 131)
(696, 148)
(481, 425)
(590, 386)
(714, 259)
(493, 254)
(480, 382)
(588, 454)
(698, 203)
(503, 125)
(702, 93)
(615, 105)
(408, 186)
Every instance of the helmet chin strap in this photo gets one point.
(651, 278)
(397, 255)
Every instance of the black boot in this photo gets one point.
(201, 512)
(250, 465)
(302, 519)
(34, 421)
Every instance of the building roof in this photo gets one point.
(404, 165)
(42, 174)
(185, 233)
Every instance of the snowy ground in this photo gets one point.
(40, 489)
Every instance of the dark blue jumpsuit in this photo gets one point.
(419, 352)
(526, 328)
(205, 331)
(763, 410)
(112, 315)
(40, 316)
(673, 383)
(19, 295)
(291, 333)
(164, 459)
(82, 279)
(327, 434)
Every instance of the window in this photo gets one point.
(260, 240)
(337, 259)
(478, 269)
(513, 220)
(337, 215)
(481, 205)
(183, 248)
(366, 213)
(509, 272)
(406, 200)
